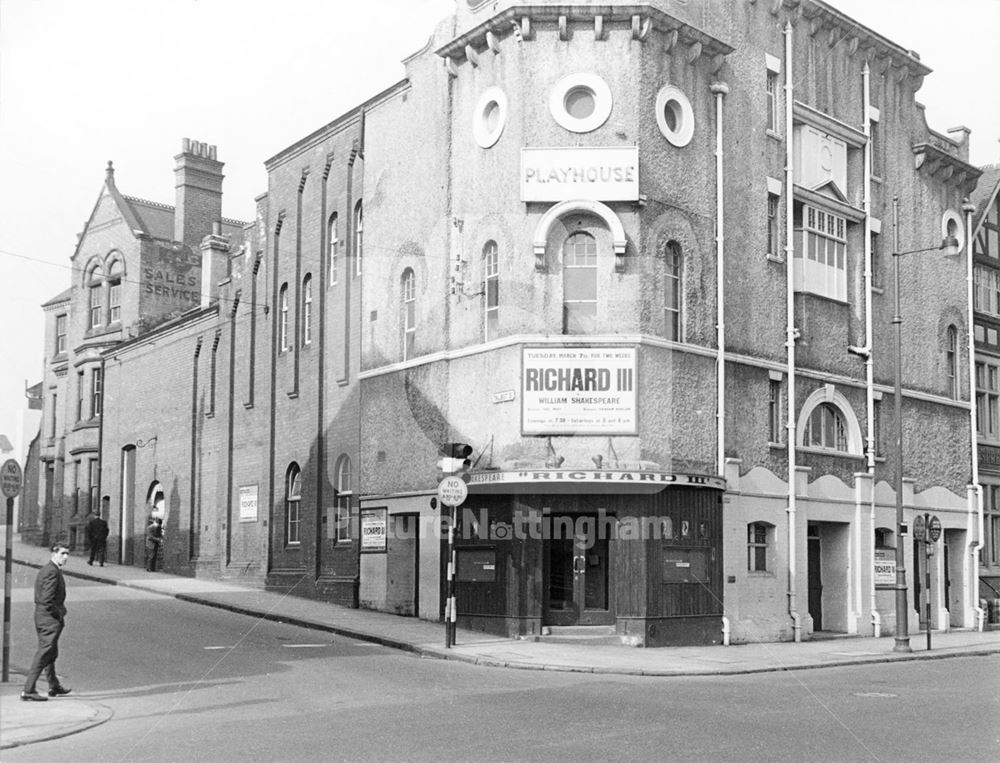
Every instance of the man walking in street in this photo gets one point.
(50, 618)
(97, 534)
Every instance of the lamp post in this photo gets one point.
(951, 247)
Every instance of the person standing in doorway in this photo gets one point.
(50, 618)
(97, 534)
(154, 537)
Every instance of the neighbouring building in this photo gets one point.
(638, 256)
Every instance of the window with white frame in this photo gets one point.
(771, 91)
(759, 537)
(774, 426)
(986, 294)
(409, 306)
(826, 428)
(332, 262)
(579, 283)
(491, 287)
(821, 253)
(773, 240)
(114, 300)
(93, 478)
(989, 552)
(988, 400)
(307, 309)
(61, 322)
(95, 392)
(293, 505)
(673, 269)
(342, 510)
(951, 362)
(80, 395)
(95, 302)
(283, 318)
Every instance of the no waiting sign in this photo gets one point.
(10, 478)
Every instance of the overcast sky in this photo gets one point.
(85, 81)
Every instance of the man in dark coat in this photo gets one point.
(97, 534)
(50, 617)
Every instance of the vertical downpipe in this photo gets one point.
(720, 89)
(790, 334)
(869, 366)
(978, 523)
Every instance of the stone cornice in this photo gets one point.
(944, 167)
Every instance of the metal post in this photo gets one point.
(902, 626)
(449, 609)
(7, 572)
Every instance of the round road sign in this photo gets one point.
(919, 527)
(452, 491)
(934, 529)
(10, 478)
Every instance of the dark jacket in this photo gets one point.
(97, 530)
(50, 592)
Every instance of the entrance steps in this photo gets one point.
(583, 635)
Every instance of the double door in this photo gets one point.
(578, 575)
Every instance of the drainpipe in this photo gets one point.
(976, 489)
(790, 335)
(720, 89)
(866, 353)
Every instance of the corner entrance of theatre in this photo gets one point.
(578, 585)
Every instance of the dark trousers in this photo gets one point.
(152, 551)
(98, 551)
(49, 629)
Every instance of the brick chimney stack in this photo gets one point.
(215, 262)
(198, 179)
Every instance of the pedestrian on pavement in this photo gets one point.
(50, 618)
(154, 537)
(97, 534)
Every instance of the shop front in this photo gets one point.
(638, 550)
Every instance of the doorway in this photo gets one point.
(815, 577)
(577, 558)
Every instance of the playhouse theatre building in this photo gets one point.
(637, 255)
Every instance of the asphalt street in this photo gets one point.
(187, 682)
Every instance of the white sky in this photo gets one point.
(82, 82)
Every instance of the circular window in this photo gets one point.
(490, 116)
(580, 102)
(674, 115)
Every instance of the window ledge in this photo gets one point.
(773, 134)
(760, 574)
(828, 452)
(877, 289)
(775, 258)
(296, 546)
(776, 445)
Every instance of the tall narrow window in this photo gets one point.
(80, 395)
(95, 304)
(875, 143)
(409, 313)
(672, 269)
(95, 392)
(772, 225)
(877, 427)
(52, 421)
(293, 505)
(283, 319)
(61, 334)
(342, 512)
(826, 428)
(876, 247)
(307, 307)
(757, 533)
(213, 372)
(491, 284)
(988, 401)
(358, 238)
(579, 284)
(332, 262)
(774, 411)
(951, 362)
(771, 89)
(77, 489)
(93, 481)
(114, 301)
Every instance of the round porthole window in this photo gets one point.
(952, 230)
(674, 115)
(580, 102)
(490, 116)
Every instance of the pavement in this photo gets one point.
(26, 722)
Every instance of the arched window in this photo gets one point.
(672, 269)
(358, 238)
(331, 234)
(826, 428)
(95, 288)
(579, 284)
(283, 318)
(951, 362)
(343, 498)
(115, 292)
(409, 302)
(491, 284)
(293, 504)
(307, 306)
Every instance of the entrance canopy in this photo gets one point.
(589, 481)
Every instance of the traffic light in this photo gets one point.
(454, 460)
